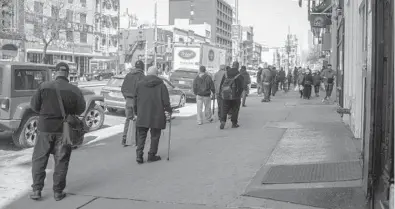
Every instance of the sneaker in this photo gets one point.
(35, 195)
(235, 125)
(199, 123)
(222, 126)
(140, 160)
(153, 158)
(59, 196)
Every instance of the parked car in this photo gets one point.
(253, 75)
(183, 79)
(114, 100)
(100, 75)
(19, 81)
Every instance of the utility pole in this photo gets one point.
(288, 46)
(155, 31)
(118, 38)
(146, 56)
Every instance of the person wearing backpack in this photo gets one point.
(232, 86)
(247, 81)
(203, 88)
(328, 76)
(217, 83)
(266, 79)
(128, 90)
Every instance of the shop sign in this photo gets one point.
(319, 21)
(80, 27)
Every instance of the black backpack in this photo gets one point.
(229, 88)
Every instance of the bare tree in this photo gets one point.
(314, 55)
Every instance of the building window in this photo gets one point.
(83, 18)
(29, 79)
(69, 36)
(103, 42)
(83, 37)
(54, 12)
(38, 7)
(97, 43)
(69, 15)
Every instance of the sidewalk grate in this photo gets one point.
(308, 173)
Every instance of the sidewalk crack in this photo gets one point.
(87, 203)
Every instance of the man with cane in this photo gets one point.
(151, 102)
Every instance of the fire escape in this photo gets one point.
(107, 25)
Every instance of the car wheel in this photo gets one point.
(94, 118)
(27, 134)
(183, 100)
(111, 110)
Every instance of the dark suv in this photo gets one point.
(18, 82)
(183, 79)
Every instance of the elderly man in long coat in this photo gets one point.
(151, 103)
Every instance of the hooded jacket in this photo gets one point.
(239, 81)
(266, 75)
(130, 82)
(151, 101)
(218, 79)
(203, 85)
(316, 79)
(281, 75)
(247, 78)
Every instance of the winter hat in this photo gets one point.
(202, 69)
(139, 64)
(152, 71)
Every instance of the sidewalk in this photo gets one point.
(211, 168)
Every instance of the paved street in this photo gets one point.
(208, 168)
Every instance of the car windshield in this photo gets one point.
(184, 74)
(115, 82)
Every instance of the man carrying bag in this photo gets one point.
(58, 104)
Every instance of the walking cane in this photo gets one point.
(168, 145)
(213, 105)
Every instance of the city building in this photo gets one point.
(133, 45)
(12, 30)
(198, 30)
(362, 55)
(247, 45)
(73, 39)
(257, 54)
(217, 13)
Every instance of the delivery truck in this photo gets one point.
(188, 58)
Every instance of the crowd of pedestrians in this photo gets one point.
(148, 108)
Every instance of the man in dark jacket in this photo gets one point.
(217, 83)
(50, 127)
(233, 105)
(128, 90)
(247, 81)
(289, 79)
(258, 80)
(266, 79)
(274, 87)
(281, 78)
(151, 101)
(203, 87)
(316, 82)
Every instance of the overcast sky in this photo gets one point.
(270, 18)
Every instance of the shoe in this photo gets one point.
(199, 123)
(123, 142)
(211, 120)
(140, 159)
(35, 195)
(222, 126)
(244, 105)
(59, 195)
(153, 158)
(235, 125)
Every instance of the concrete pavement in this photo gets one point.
(209, 168)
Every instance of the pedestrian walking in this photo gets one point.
(266, 79)
(301, 82)
(247, 81)
(129, 93)
(281, 79)
(275, 81)
(308, 82)
(47, 103)
(328, 76)
(217, 85)
(231, 90)
(203, 88)
(150, 103)
(316, 82)
(259, 81)
(289, 79)
(296, 72)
